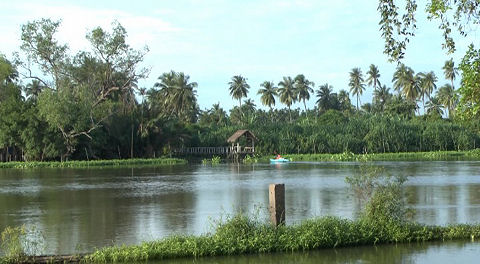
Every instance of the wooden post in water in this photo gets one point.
(276, 195)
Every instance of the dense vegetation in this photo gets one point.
(87, 106)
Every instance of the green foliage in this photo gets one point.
(240, 234)
(469, 106)
(12, 244)
(214, 160)
(19, 242)
(92, 163)
(250, 159)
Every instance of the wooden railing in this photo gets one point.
(215, 150)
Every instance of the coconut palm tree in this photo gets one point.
(381, 96)
(373, 77)
(325, 97)
(268, 94)
(287, 93)
(450, 71)
(357, 85)
(304, 87)
(177, 95)
(434, 106)
(344, 100)
(33, 89)
(447, 96)
(399, 77)
(238, 88)
(406, 82)
(184, 98)
(427, 85)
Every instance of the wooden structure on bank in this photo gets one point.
(242, 143)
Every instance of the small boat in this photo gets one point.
(280, 160)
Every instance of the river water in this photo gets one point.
(78, 210)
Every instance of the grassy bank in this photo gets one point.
(401, 156)
(241, 235)
(93, 163)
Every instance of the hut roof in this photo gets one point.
(240, 133)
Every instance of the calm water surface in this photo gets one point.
(78, 210)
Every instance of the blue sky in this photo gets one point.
(213, 40)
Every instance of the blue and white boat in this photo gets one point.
(280, 160)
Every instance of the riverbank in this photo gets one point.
(401, 156)
(92, 163)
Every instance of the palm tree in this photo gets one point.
(447, 96)
(33, 89)
(287, 93)
(373, 75)
(238, 88)
(399, 77)
(184, 98)
(356, 83)
(344, 100)
(434, 106)
(325, 97)
(304, 87)
(177, 95)
(406, 82)
(382, 96)
(450, 71)
(427, 85)
(218, 114)
(268, 92)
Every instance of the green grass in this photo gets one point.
(401, 156)
(242, 235)
(92, 163)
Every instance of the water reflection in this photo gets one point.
(81, 209)
(447, 252)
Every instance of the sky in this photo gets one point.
(262, 40)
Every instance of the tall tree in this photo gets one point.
(373, 77)
(86, 87)
(357, 85)
(450, 71)
(427, 85)
(178, 95)
(33, 89)
(326, 99)
(304, 87)
(381, 97)
(287, 92)
(238, 88)
(447, 96)
(406, 82)
(344, 100)
(268, 94)
(434, 106)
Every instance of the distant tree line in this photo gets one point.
(55, 105)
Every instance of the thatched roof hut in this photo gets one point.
(243, 132)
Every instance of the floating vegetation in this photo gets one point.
(92, 163)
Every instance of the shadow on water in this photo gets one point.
(448, 252)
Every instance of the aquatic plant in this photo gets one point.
(402, 156)
(19, 242)
(241, 234)
(216, 160)
(92, 163)
(250, 159)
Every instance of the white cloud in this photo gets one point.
(78, 20)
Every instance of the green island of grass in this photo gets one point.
(92, 163)
(399, 156)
